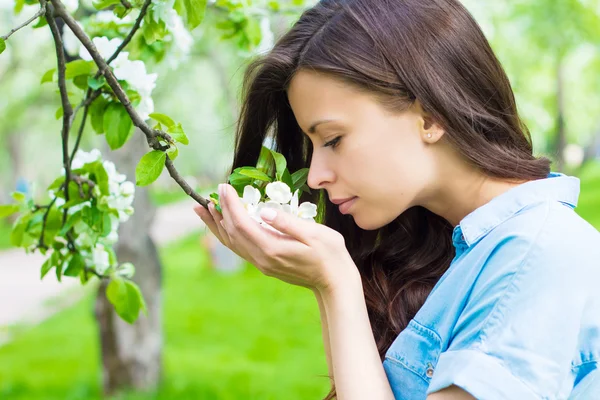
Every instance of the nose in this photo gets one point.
(319, 174)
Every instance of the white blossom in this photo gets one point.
(279, 192)
(71, 5)
(105, 47)
(100, 259)
(72, 44)
(81, 158)
(251, 198)
(109, 16)
(306, 210)
(126, 270)
(127, 188)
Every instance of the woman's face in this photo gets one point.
(381, 158)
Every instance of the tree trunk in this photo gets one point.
(132, 354)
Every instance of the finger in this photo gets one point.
(301, 230)
(218, 218)
(209, 220)
(238, 222)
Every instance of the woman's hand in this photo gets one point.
(305, 253)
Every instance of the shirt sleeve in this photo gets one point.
(518, 333)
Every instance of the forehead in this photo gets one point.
(316, 96)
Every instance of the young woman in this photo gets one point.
(450, 264)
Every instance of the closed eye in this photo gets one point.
(333, 143)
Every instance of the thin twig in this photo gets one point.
(87, 100)
(82, 125)
(64, 96)
(184, 185)
(136, 26)
(38, 14)
(44, 220)
(153, 136)
(126, 4)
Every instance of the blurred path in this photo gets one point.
(25, 299)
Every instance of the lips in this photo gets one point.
(340, 201)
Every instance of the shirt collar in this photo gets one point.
(557, 186)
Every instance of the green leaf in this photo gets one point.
(150, 167)
(266, 162)
(8, 209)
(41, 23)
(19, 196)
(152, 30)
(101, 177)
(214, 198)
(173, 152)
(194, 10)
(299, 178)
(46, 266)
(79, 67)
(81, 81)
(59, 271)
(252, 30)
(53, 225)
(71, 220)
(2, 45)
(49, 263)
(280, 163)
(96, 83)
(178, 134)
(75, 266)
(18, 230)
(97, 109)
(48, 76)
(127, 299)
(253, 173)
(106, 227)
(163, 119)
(238, 180)
(117, 125)
(121, 11)
(99, 5)
(287, 178)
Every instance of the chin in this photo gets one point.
(368, 225)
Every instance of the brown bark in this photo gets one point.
(132, 354)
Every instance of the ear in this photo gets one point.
(429, 130)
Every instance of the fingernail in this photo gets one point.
(268, 214)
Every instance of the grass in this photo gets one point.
(588, 206)
(240, 336)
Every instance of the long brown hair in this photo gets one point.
(399, 51)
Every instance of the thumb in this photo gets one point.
(288, 223)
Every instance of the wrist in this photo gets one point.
(349, 283)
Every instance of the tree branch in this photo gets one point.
(66, 104)
(184, 185)
(136, 26)
(153, 136)
(38, 14)
(86, 103)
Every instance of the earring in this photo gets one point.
(429, 135)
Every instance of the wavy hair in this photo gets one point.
(399, 51)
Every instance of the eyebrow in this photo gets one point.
(313, 127)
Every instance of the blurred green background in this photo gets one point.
(243, 335)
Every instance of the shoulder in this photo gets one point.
(545, 238)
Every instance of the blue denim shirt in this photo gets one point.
(517, 314)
